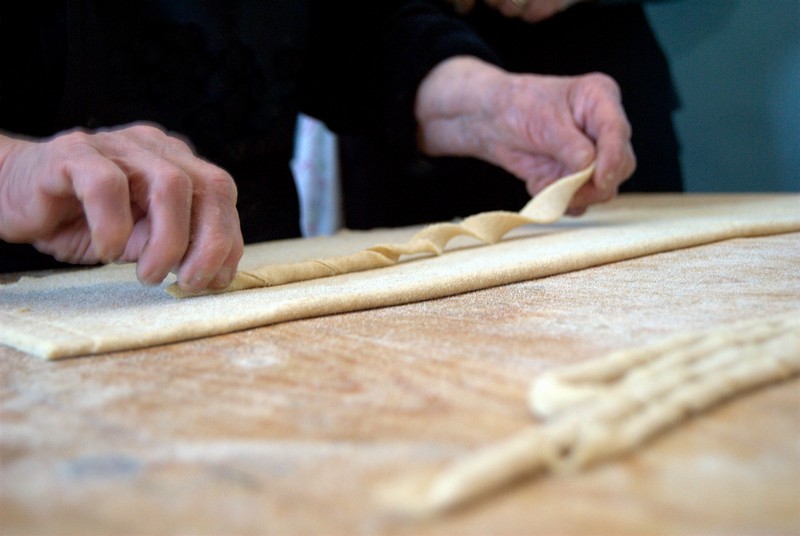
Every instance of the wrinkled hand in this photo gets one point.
(131, 194)
(536, 127)
(528, 10)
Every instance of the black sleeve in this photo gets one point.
(367, 58)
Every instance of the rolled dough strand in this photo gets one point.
(477, 474)
(488, 227)
(701, 352)
(640, 405)
(563, 388)
(709, 356)
(602, 440)
(651, 384)
(619, 423)
(555, 391)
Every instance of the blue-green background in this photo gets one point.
(737, 68)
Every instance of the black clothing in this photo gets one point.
(229, 75)
(382, 187)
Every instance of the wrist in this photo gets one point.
(10, 207)
(459, 91)
(454, 87)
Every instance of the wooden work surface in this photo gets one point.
(288, 429)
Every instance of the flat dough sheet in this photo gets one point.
(102, 310)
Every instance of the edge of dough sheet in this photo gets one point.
(103, 310)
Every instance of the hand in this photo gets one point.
(528, 10)
(131, 194)
(536, 127)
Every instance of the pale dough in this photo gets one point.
(106, 309)
(488, 227)
(607, 407)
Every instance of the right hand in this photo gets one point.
(128, 194)
(536, 127)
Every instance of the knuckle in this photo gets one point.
(172, 184)
(178, 143)
(602, 86)
(219, 184)
(156, 139)
(145, 130)
(603, 81)
(107, 180)
(174, 252)
(104, 183)
(72, 141)
(216, 247)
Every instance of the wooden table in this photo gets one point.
(288, 429)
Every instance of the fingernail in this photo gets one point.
(608, 181)
(108, 256)
(223, 279)
(584, 158)
(149, 279)
(199, 282)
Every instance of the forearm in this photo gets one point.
(534, 126)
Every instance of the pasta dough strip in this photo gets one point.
(607, 407)
(488, 227)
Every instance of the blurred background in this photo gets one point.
(736, 64)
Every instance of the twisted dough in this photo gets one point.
(488, 227)
(607, 407)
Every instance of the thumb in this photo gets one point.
(573, 149)
(552, 131)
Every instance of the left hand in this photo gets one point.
(134, 193)
(538, 128)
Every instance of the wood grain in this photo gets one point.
(287, 429)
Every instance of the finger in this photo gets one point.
(164, 191)
(204, 234)
(539, 173)
(103, 190)
(139, 236)
(559, 137)
(616, 162)
(615, 157)
(216, 241)
(602, 113)
(542, 140)
(228, 269)
(576, 151)
(595, 192)
(588, 195)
